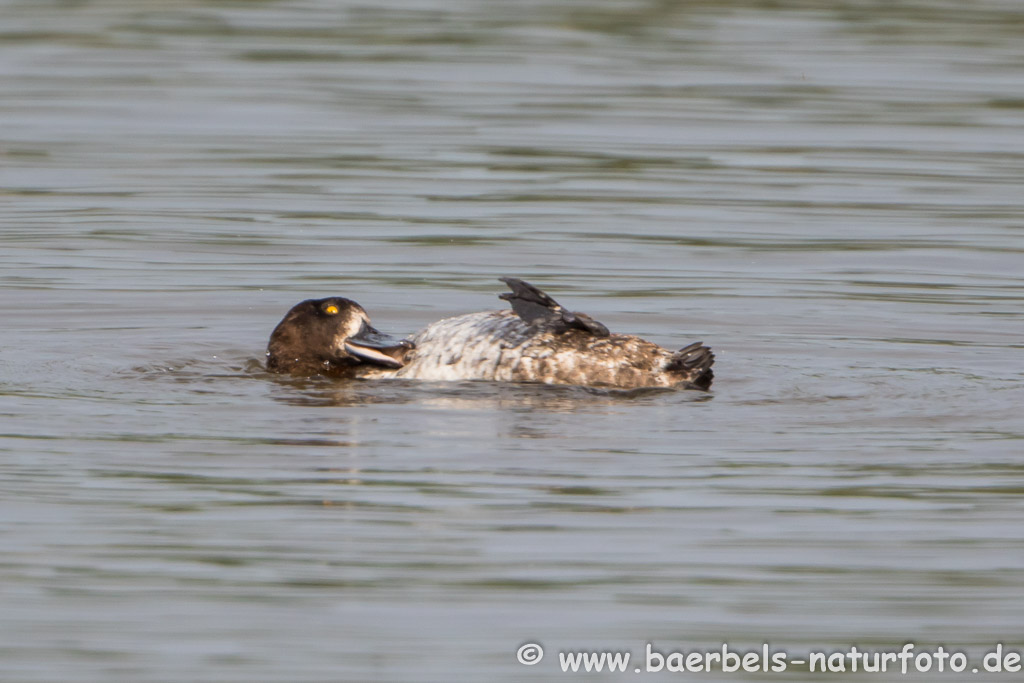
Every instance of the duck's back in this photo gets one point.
(500, 345)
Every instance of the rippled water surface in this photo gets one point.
(828, 194)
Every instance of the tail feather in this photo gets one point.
(693, 363)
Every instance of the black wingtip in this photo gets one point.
(527, 293)
(530, 303)
(535, 307)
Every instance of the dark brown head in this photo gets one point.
(331, 336)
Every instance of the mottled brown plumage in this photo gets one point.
(498, 345)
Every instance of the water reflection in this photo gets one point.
(468, 395)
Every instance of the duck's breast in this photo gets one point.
(473, 346)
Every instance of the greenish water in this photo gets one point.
(828, 194)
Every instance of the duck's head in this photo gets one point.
(331, 336)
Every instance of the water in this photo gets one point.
(828, 194)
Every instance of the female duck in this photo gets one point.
(537, 341)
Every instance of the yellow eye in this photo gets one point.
(331, 310)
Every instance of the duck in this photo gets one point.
(537, 341)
